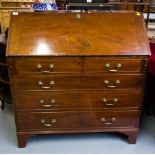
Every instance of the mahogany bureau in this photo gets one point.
(77, 72)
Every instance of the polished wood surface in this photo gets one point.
(103, 119)
(77, 34)
(77, 100)
(63, 120)
(80, 119)
(74, 82)
(76, 64)
(82, 73)
(128, 64)
(60, 65)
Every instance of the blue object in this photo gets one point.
(44, 6)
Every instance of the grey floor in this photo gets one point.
(76, 143)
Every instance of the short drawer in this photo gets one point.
(46, 100)
(45, 65)
(109, 119)
(78, 82)
(77, 100)
(113, 65)
(47, 120)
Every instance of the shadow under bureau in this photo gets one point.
(77, 72)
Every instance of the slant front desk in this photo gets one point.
(77, 72)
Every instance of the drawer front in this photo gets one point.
(109, 119)
(76, 120)
(77, 100)
(78, 82)
(46, 65)
(46, 100)
(47, 120)
(100, 64)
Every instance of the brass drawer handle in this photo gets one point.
(40, 68)
(117, 82)
(110, 102)
(42, 102)
(113, 119)
(48, 124)
(40, 83)
(118, 66)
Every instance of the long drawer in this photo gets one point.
(70, 100)
(76, 120)
(57, 82)
(36, 65)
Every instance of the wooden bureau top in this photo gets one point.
(79, 34)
